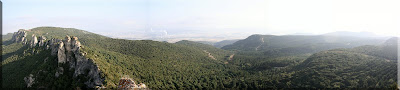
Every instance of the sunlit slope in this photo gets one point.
(364, 66)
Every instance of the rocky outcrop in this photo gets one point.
(80, 64)
(53, 44)
(19, 36)
(126, 83)
(29, 80)
(76, 44)
(69, 58)
(68, 52)
(42, 40)
(34, 41)
(94, 72)
(61, 53)
(67, 43)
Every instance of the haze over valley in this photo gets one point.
(206, 20)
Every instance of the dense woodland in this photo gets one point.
(279, 62)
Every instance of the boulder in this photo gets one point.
(29, 80)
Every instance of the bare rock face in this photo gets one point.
(53, 44)
(42, 40)
(81, 64)
(29, 80)
(75, 49)
(34, 41)
(19, 36)
(76, 45)
(61, 53)
(68, 52)
(67, 43)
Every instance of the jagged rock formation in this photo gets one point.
(34, 41)
(126, 83)
(53, 44)
(68, 53)
(81, 64)
(42, 40)
(19, 36)
(61, 53)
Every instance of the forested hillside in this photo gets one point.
(364, 66)
(257, 62)
(7, 36)
(220, 54)
(345, 69)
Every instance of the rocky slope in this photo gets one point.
(19, 36)
(69, 58)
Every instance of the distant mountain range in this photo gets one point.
(353, 34)
(313, 42)
(359, 35)
(219, 44)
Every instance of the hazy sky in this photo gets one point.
(190, 19)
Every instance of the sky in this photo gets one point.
(204, 20)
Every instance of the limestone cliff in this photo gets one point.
(34, 41)
(41, 41)
(19, 36)
(79, 63)
(69, 58)
(61, 53)
(69, 53)
(53, 44)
